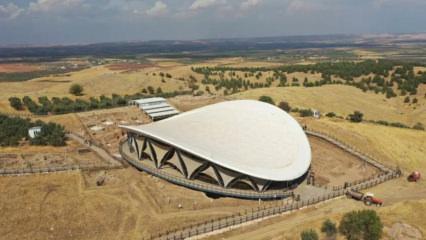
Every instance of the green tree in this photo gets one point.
(16, 103)
(309, 235)
(330, 115)
(361, 225)
(267, 99)
(356, 116)
(150, 90)
(329, 228)
(285, 106)
(306, 112)
(76, 89)
(159, 90)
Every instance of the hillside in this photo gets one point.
(344, 100)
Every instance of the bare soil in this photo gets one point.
(333, 166)
(18, 67)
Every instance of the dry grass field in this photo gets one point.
(344, 100)
(404, 202)
(133, 205)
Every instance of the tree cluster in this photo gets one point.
(14, 129)
(355, 225)
(402, 78)
(63, 105)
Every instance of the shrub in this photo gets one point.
(285, 106)
(329, 228)
(309, 235)
(364, 224)
(16, 103)
(330, 115)
(407, 99)
(398, 124)
(414, 100)
(198, 93)
(76, 89)
(267, 99)
(150, 90)
(356, 116)
(419, 126)
(159, 90)
(306, 112)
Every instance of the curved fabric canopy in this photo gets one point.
(251, 137)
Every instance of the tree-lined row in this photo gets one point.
(56, 105)
(13, 130)
(400, 75)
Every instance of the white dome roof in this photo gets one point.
(251, 137)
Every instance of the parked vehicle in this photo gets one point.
(367, 198)
(414, 176)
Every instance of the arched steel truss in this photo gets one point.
(192, 167)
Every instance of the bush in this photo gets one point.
(356, 117)
(267, 99)
(284, 106)
(407, 99)
(364, 224)
(159, 90)
(150, 90)
(306, 112)
(16, 103)
(419, 126)
(309, 235)
(398, 125)
(76, 89)
(415, 100)
(329, 228)
(330, 115)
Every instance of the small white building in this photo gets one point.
(316, 113)
(34, 131)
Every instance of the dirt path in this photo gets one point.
(101, 152)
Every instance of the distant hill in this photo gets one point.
(210, 45)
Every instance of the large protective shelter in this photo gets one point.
(234, 145)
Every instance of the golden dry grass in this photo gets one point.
(344, 100)
(404, 202)
(403, 147)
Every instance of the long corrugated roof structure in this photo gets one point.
(250, 137)
(156, 107)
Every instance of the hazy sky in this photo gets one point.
(88, 21)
